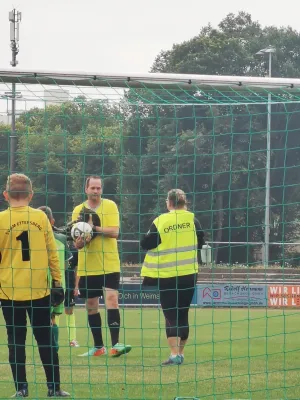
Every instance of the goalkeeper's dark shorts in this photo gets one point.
(70, 286)
(92, 286)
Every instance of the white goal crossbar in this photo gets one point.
(146, 80)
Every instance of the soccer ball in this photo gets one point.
(81, 229)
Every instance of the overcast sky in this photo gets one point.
(117, 35)
(113, 36)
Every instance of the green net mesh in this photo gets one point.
(211, 142)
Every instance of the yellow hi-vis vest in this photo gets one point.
(177, 253)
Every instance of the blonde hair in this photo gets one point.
(18, 186)
(177, 197)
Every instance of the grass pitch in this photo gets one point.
(232, 354)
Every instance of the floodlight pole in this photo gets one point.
(268, 174)
(269, 51)
(14, 19)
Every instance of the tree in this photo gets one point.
(241, 131)
(60, 145)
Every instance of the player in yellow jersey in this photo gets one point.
(27, 252)
(98, 270)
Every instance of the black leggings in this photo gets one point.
(39, 312)
(176, 296)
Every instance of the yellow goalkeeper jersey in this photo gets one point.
(101, 255)
(27, 251)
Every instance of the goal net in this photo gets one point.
(232, 144)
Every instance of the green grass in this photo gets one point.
(232, 354)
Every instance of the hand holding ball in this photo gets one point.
(82, 230)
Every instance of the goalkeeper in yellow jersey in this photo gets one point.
(27, 252)
(98, 271)
(67, 265)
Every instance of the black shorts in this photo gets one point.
(70, 286)
(176, 294)
(92, 286)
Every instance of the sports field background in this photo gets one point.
(232, 354)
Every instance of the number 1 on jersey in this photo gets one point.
(24, 239)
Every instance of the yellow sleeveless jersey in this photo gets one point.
(177, 253)
(101, 255)
(27, 251)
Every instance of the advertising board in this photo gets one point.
(283, 295)
(233, 295)
(135, 294)
(213, 295)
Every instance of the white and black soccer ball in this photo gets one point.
(81, 229)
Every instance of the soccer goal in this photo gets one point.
(232, 144)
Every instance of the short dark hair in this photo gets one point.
(47, 211)
(87, 181)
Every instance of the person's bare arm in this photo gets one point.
(109, 231)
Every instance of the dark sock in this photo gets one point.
(95, 325)
(53, 387)
(55, 331)
(113, 319)
(21, 386)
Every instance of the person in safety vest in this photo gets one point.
(171, 262)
